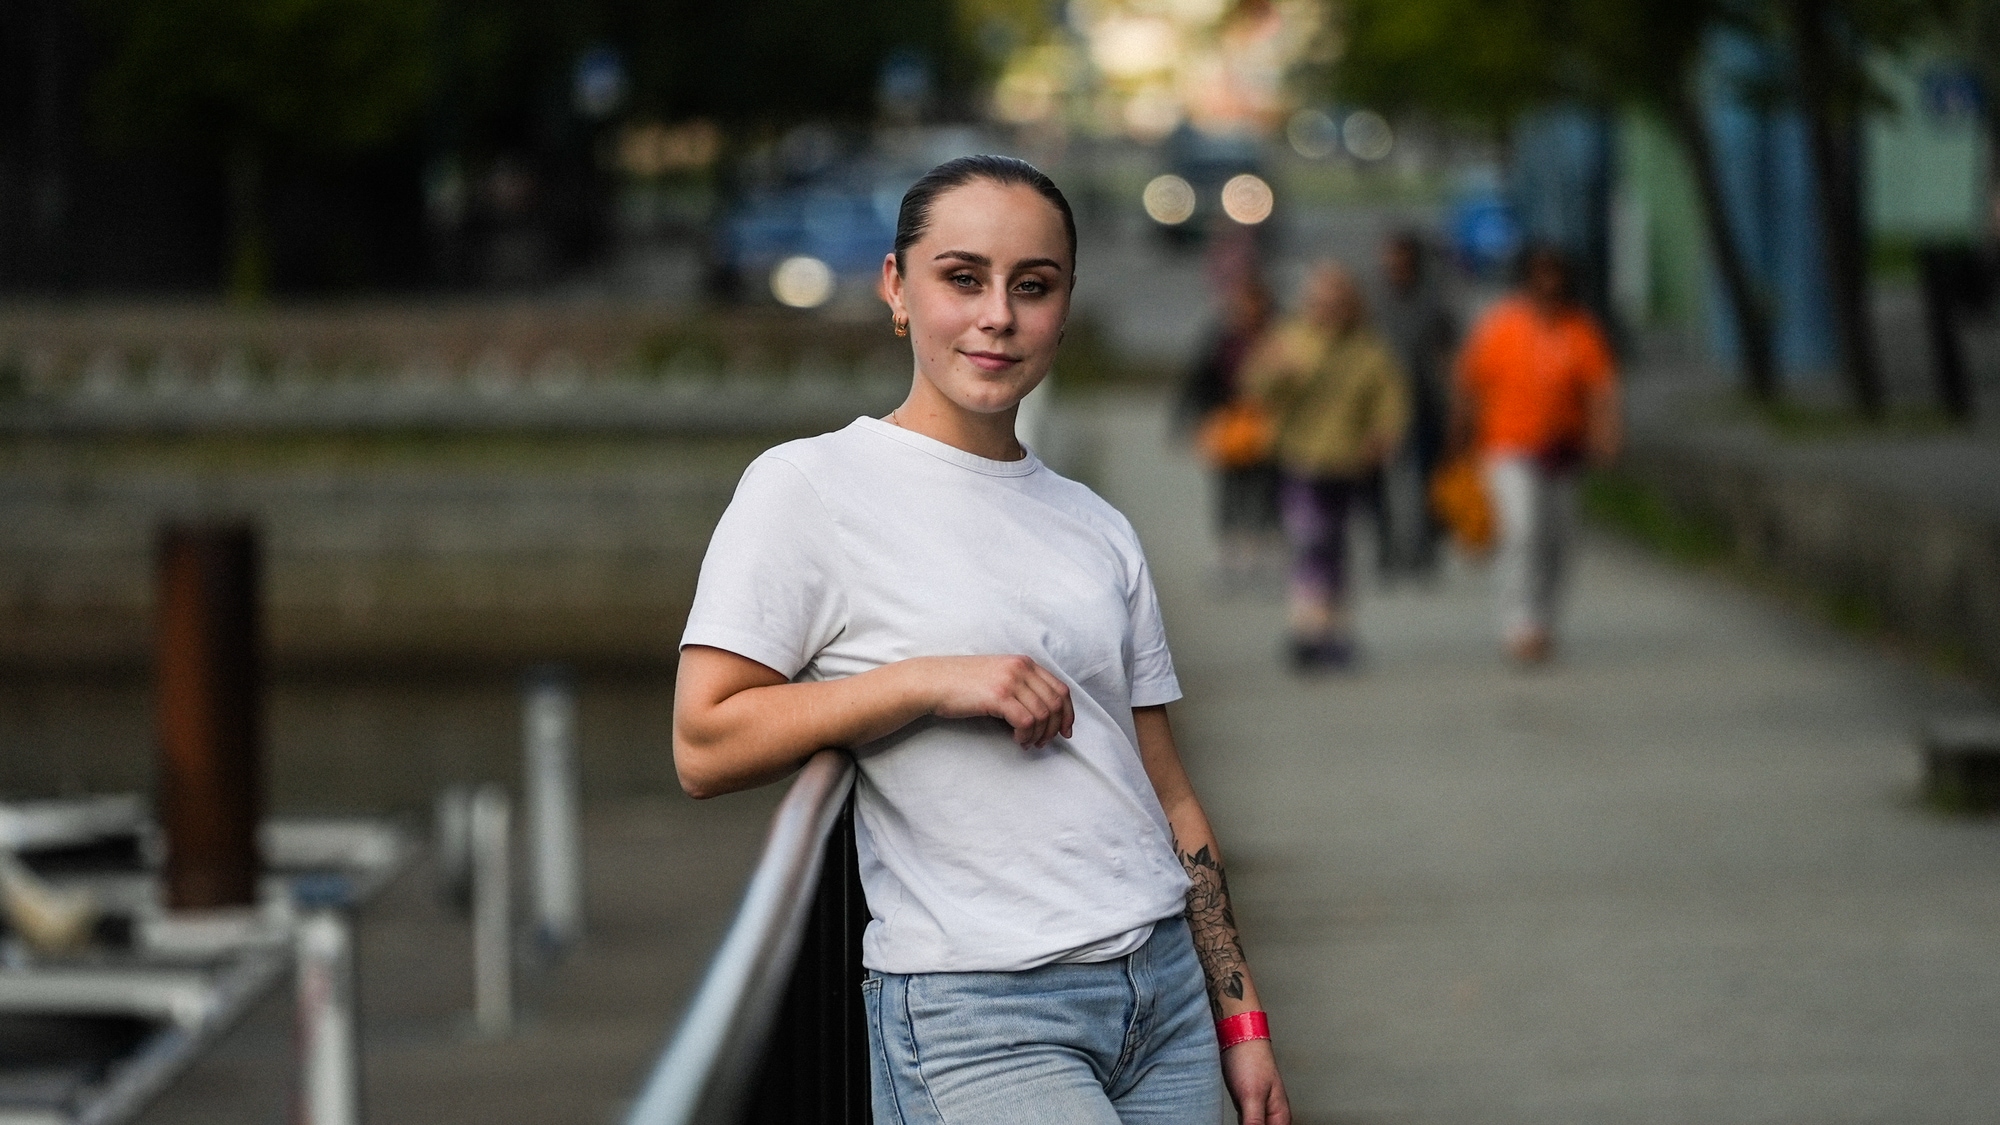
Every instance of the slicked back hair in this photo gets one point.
(914, 218)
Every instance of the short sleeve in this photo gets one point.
(1151, 671)
(769, 587)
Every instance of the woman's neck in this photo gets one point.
(928, 412)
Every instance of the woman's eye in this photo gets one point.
(1032, 287)
(964, 280)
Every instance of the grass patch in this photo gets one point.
(1634, 509)
(1892, 259)
(1952, 800)
(1641, 513)
(1814, 422)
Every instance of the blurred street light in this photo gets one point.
(1368, 135)
(1247, 199)
(802, 282)
(1313, 134)
(1169, 200)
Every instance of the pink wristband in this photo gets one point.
(1242, 1028)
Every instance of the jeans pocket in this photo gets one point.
(882, 1100)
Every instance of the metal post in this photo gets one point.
(492, 914)
(548, 739)
(209, 714)
(451, 845)
(329, 1032)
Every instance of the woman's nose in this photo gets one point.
(996, 311)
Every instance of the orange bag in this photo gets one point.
(1458, 496)
(1237, 435)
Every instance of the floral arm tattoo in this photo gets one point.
(1212, 924)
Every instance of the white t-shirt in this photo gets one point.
(873, 544)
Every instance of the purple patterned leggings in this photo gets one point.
(1315, 513)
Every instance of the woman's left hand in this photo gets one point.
(1250, 1070)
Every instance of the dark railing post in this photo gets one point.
(815, 1066)
(208, 683)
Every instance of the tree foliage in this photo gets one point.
(316, 77)
(1479, 60)
(1487, 60)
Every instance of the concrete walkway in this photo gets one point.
(1680, 877)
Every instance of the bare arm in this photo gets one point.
(739, 724)
(1250, 1069)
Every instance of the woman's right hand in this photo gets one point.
(1013, 689)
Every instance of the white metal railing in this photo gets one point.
(702, 1074)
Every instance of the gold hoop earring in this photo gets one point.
(900, 324)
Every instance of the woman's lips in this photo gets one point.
(991, 361)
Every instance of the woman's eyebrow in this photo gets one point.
(971, 258)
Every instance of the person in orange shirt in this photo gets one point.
(1537, 398)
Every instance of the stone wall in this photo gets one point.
(1900, 535)
(473, 554)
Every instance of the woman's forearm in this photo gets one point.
(739, 724)
(1210, 915)
(1212, 920)
(726, 740)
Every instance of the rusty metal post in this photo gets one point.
(208, 683)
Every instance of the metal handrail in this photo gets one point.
(703, 1073)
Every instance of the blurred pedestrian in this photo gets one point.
(1419, 324)
(1537, 398)
(1336, 394)
(1050, 934)
(1233, 431)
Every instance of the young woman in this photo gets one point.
(1048, 903)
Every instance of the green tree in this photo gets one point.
(1977, 24)
(772, 63)
(249, 82)
(1422, 54)
(1829, 43)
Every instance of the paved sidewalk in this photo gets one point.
(1680, 877)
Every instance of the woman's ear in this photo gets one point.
(891, 288)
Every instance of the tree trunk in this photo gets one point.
(1746, 296)
(249, 255)
(1834, 126)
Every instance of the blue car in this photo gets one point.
(846, 221)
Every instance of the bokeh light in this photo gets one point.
(1169, 200)
(1152, 113)
(648, 149)
(1247, 199)
(802, 282)
(1368, 135)
(1313, 134)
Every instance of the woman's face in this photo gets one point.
(986, 291)
(1331, 299)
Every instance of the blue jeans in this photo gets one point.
(1113, 1043)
